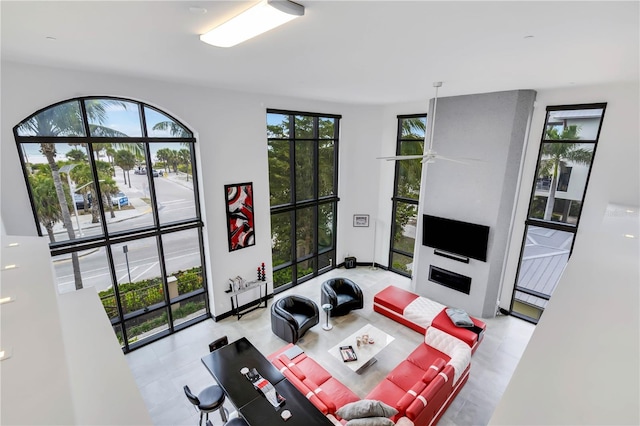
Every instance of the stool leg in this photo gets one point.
(223, 414)
(200, 422)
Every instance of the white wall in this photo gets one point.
(225, 123)
(581, 363)
(492, 128)
(614, 177)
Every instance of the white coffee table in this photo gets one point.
(366, 352)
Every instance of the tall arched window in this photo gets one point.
(112, 184)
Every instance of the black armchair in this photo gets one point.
(343, 294)
(292, 316)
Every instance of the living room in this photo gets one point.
(229, 119)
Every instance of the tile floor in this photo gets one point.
(162, 368)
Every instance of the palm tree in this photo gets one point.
(174, 129)
(556, 155)
(164, 155)
(47, 206)
(126, 160)
(184, 155)
(59, 121)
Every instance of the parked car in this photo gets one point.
(120, 199)
(140, 171)
(156, 173)
(79, 200)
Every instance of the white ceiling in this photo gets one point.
(370, 52)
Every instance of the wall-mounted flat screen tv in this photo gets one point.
(453, 236)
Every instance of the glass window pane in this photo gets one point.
(113, 118)
(305, 268)
(305, 177)
(188, 309)
(182, 262)
(138, 274)
(173, 179)
(404, 237)
(281, 238)
(326, 128)
(160, 125)
(84, 269)
(326, 215)
(278, 126)
(304, 127)
(326, 169)
(282, 277)
(279, 172)
(401, 263)
(545, 255)
(409, 171)
(573, 124)
(63, 189)
(61, 120)
(528, 305)
(326, 260)
(561, 181)
(413, 128)
(126, 195)
(146, 325)
(305, 232)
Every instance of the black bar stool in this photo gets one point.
(208, 401)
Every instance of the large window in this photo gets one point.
(112, 184)
(303, 182)
(566, 153)
(411, 133)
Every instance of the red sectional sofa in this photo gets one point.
(421, 387)
(419, 313)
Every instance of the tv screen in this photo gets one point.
(453, 236)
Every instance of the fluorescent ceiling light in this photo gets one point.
(260, 18)
(7, 300)
(12, 266)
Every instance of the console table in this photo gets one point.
(262, 300)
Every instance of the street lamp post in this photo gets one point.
(125, 249)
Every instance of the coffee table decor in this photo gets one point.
(376, 340)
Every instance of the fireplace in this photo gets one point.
(450, 279)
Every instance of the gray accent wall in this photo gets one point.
(491, 128)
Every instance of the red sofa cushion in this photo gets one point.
(405, 375)
(394, 298)
(424, 356)
(409, 396)
(425, 397)
(433, 370)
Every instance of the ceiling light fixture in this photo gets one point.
(258, 19)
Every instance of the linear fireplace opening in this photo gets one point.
(450, 279)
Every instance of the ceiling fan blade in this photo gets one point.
(401, 157)
(453, 160)
(460, 160)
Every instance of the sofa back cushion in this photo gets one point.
(458, 351)
(427, 395)
(433, 370)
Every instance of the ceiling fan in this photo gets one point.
(429, 156)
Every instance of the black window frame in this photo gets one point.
(559, 226)
(395, 199)
(293, 206)
(110, 238)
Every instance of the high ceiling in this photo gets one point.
(364, 52)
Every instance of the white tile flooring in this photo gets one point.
(162, 368)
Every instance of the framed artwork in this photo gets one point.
(360, 220)
(240, 224)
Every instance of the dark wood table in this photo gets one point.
(225, 364)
